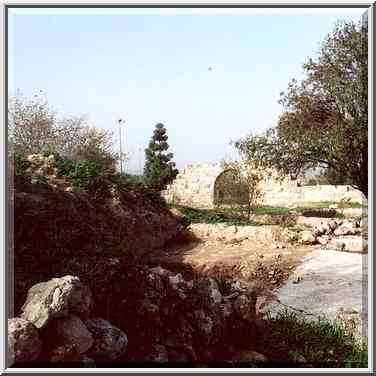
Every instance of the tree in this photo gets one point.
(159, 169)
(331, 176)
(324, 122)
(34, 128)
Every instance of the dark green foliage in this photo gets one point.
(20, 164)
(192, 215)
(312, 181)
(331, 176)
(79, 174)
(159, 169)
(320, 213)
(131, 181)
(324, 123)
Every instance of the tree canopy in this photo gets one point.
(159, 169)
(324, 122)
(35, 128)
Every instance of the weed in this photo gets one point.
(321, 342)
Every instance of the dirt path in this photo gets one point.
(263, 263)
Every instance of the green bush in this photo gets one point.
(80, 174)
(20, 164)
(135, 182)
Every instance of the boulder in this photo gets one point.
(306, 237)
(353, 243)
(204, 325)
(321, 229)
(245, 307)
(323, 240)
(64, 353)
(206, 290)
(69, 353)
(158, 354)
(24, 344)
(332, 225)
(248, 356)
(336, 245)
(57, 298)
(109, 341)
(346, 228)
(298, 358)
(70, 331)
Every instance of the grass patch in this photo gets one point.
(193, 215)
(320, 342)
(326, 204)
(236, 215)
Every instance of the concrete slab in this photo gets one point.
(327, 283)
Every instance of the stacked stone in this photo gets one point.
(175, 320)
(55, 326)
(194, 186)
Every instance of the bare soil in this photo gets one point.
(262, 263)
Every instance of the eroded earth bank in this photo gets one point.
(123, 281)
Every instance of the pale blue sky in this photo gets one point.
(154, 68)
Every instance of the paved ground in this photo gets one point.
(328, 283)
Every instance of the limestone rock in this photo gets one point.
(24, 344)
(72, 331)
(207, 291)
(109, 341)
(306, 237)
(69, 354)
(204, 325)
(298, 358)
(346, 228)
(336, 244)
(158, 354)
(247, 356)
(350, 243)
(64, 353)
(323, 240)
(55, 299)
(245, 307)
(332, 225)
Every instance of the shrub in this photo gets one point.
(321, 213)
(79, 174)
(20, 164)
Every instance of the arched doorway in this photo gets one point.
(230, 189)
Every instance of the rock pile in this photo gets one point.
(232, 233)
(340, 235)
(175, 320)
(55, 326)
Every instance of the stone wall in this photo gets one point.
(194, 186)
(288, 196)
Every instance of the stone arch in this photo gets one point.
(229, 189)
(195, 185)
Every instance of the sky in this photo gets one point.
(150, 66)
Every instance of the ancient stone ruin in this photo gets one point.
(197, 186)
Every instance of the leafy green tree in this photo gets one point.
(331, 176)
(159, 169)
(324, 122)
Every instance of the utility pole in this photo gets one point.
(121, 121)
(139, 160)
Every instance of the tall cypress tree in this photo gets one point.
(159, 170)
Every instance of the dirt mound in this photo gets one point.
(54, 228)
